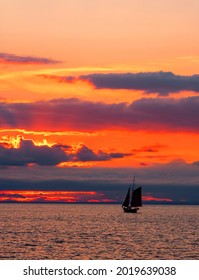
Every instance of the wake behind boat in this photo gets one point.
(133, 199)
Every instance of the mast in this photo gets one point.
(133, 182)
(127, 199)
(132, 190)
(133, 186)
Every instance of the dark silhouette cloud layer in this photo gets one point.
(16, 59)
(74, 114)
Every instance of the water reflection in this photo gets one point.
(46, 231)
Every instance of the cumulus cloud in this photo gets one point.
(74, 114)
(16, 59)
(28, 153)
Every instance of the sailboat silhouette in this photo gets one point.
(133, 199)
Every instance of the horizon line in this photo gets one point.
(98, 203)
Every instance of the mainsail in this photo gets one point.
(136, 197)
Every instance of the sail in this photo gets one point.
(136, 197)
(127, 199)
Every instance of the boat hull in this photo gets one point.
(130, 210)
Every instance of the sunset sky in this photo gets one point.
(95, 92)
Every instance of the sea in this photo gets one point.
(98, 232)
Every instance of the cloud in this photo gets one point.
(28, 153)
(86, 154)
(74, 114)
(16, 59)
(162, 83)
(66, 147)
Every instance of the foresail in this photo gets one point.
(127, 199)
(137, 197)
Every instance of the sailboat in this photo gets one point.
(133, 199)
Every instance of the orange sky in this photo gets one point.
(85, 33)
(50, 51)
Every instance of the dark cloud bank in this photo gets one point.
(110, 190)
(177, 180)
(74, 114)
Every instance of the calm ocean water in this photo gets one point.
(47, 231)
